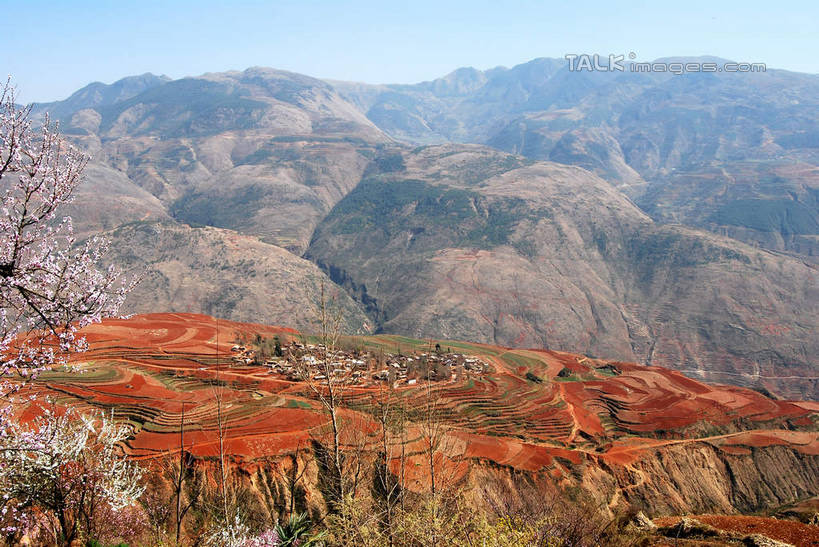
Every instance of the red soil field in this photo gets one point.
(795, 533)
(149, 367)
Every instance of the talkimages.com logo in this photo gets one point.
(579, 62)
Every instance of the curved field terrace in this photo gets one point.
(528, 409)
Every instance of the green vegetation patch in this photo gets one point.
(785, 216)
(467, 348)
(566, 375)
(94, 373)
(518, 360)
(668, 248)
(226, 211)
(433, 214)
(534, 378)
(570, 378)
(606, 373)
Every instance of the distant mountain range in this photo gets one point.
(671, 220)
(734, 153)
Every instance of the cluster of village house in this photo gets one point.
(363, 367)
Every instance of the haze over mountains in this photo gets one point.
(527, 207)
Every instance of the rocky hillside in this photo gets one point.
(186, 176)
(231, 188)
(467, 242)
(735, 153)
(222, 272)
(231, 150)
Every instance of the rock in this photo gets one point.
(642, 522)
(758, 540)
(688, 528)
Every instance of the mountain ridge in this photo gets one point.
(660, 135)
(561, 257)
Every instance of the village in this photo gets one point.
(296, 361)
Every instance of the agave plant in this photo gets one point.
(296, 532)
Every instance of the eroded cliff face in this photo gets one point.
(684, 479)
(702, 478)
(677, 479)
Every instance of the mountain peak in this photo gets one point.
(97, 94)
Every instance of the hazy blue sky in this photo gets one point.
(53, 48)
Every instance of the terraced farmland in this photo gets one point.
(532, 409)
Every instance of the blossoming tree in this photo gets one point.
(61, 474)
(49, 287)
(62, 466)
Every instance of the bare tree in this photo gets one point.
(392, 445)
(179, 472)
(219, 394)
(546, 509)
(290, 476)
(435, 433)
(292, 480)
(154, 501)
(328, 382)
